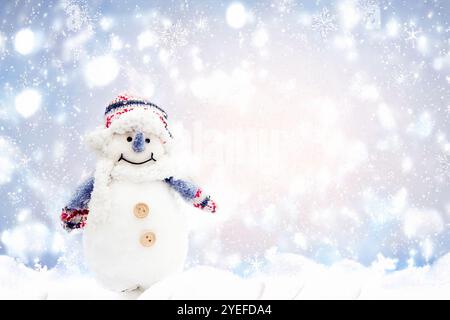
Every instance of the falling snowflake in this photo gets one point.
(412, 33)
(76, 16)
(324, 22)
(443, 168)
(370, 13)
(173, 37)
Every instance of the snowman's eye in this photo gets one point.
(147, 140)
(129, 139)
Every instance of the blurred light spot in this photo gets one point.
(146, 39)
(28, 102)
(116, 43)
(101, 71)
(106, 23)
(236, 15)
(23, 215)
(349, 15)
(422, 44)
(392, 28)
(25, 41)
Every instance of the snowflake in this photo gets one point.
(370, 13)
(324, 22)
(76, 16)
(443, 169)
(173, 37)
(412, 33)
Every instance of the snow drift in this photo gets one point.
(287, 276)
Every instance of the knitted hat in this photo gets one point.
(127, 113)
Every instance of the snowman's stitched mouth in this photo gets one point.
(150, 159)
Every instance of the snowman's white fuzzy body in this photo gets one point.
(134, 158)
(112, 247)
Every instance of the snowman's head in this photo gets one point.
(136, 148)
(135, 133)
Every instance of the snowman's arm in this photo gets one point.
(192, 194)
(74, 214)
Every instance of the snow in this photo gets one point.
(28, 102)
(288, 276)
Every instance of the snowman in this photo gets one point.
(135, 231)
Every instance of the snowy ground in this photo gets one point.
(288, 276)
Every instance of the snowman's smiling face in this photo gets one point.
(136, 148)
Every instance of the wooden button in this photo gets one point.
(148, 239)
(141, 210)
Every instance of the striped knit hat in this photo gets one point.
(127, 113)
(131, 113)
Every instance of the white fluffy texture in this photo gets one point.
(288, 276)
(112, 237)
(136, 120)
(146, 120)
(108, 169)
(197, 284)
(113, 250)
